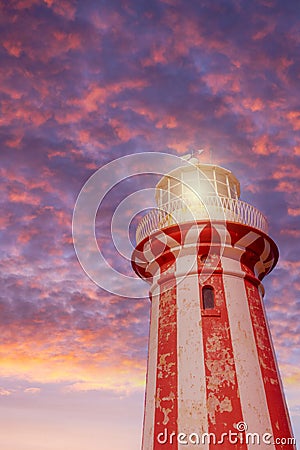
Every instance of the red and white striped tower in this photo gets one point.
(211, 366)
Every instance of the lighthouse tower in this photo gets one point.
(212, 379)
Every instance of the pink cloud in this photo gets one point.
(253, 104)
(287, 171)
(218, 82)
(263, 145)
(267, 28)
(285, 186)
(63, 8)
(13, 48)
(25, 236)
(69, 41)
(32, 390)
(294, 212)
(290, 232)
(167, 122)
(158, 54)
(18, 196)
(23, 112)
(294, 118)
(5, 392)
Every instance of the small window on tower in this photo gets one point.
(208, 297)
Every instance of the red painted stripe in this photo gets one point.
(223, 401)
(275, 399)
(166, 409)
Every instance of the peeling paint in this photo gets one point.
(166, 413)
(215, 405)
(163, 367)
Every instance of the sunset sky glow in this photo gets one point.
(83, 83)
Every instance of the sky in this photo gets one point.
(81, 84)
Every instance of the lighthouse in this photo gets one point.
(212, 377)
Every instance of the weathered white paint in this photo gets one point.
(251, 388)
(149, 414)
(246, 240)
(192, 411)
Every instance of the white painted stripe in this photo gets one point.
(154, 269)
(223, 232)
(140, 262)
(265, 254)
(148, 429)
(192, 411)
(261, 266)
(247, 240)
(149, 255)
(251, 388)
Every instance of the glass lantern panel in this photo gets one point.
(233, 191)
(222, 189)
(177, 189)
(164, 197)
(221, 177)
(204, 174)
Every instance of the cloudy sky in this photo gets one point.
(82, 83)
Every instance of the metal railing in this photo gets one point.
(209, 208)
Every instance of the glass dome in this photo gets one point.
(194, 182)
